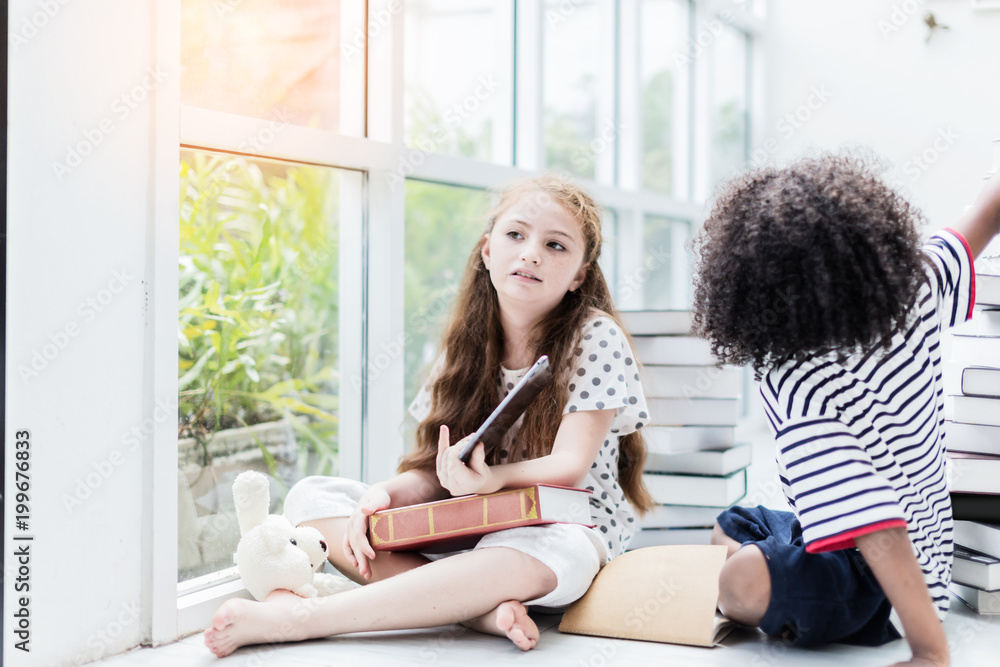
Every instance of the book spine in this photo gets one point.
(975, 410)
(989, 373)
(982, 507)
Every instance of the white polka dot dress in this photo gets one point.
(604, 376)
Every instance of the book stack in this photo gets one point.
(975, 572)
(694, 468)
(972, 440)
(972, 386)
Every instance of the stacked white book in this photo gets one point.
(972, 440)
(975, 572)
(694, 468)
(972, 386)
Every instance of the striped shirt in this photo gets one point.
(859, 441)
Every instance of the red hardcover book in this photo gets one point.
(458, 523)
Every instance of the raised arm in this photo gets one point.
(982, 221)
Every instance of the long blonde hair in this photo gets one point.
(465, 392)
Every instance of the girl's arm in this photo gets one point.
(981, 222)
(578, 441)
(889, 554)
(408, 488)
(411, 488)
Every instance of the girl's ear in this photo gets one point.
(485, 252)
(580, 277)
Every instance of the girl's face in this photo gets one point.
(535, 253)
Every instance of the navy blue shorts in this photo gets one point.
(815, 598)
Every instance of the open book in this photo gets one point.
(661, 594)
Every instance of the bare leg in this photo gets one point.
(386, 563)
(510, 619)
(745, 586)
(720, 537)
(459, 588)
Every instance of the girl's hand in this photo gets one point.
(941, 661)
(356, 546)
(460, 479)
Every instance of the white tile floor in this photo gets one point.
(974, 639)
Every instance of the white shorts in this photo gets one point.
(573, 552)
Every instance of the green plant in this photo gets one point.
(258, 300)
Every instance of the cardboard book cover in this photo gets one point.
(661, 594)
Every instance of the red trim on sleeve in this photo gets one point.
(846, 539)
(972, 269)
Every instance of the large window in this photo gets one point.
(334, 167)
(664, 79)
(264, 59)
(459, 77)
(572, 86)
(257, 336)
(728, 102)
(261, 382)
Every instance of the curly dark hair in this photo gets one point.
(821, 256)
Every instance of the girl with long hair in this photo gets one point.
(532, 286)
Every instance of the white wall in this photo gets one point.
(859, 73)
(70, 235)
(888, 89)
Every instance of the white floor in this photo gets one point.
(974, 639)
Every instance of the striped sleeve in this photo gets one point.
(952, 277)
(838, 493)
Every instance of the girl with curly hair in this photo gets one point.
(814, 276)
(532, 286)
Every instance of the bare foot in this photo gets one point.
(510, 619)
(240, 622)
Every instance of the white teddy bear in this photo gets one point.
(272, 553)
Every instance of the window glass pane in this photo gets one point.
(729, 103)
(443, 223)
(457, 73)
(663, 32)
(572, 32)
(274, 59)
(609, 250)
(664, 272)
(257, 339)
